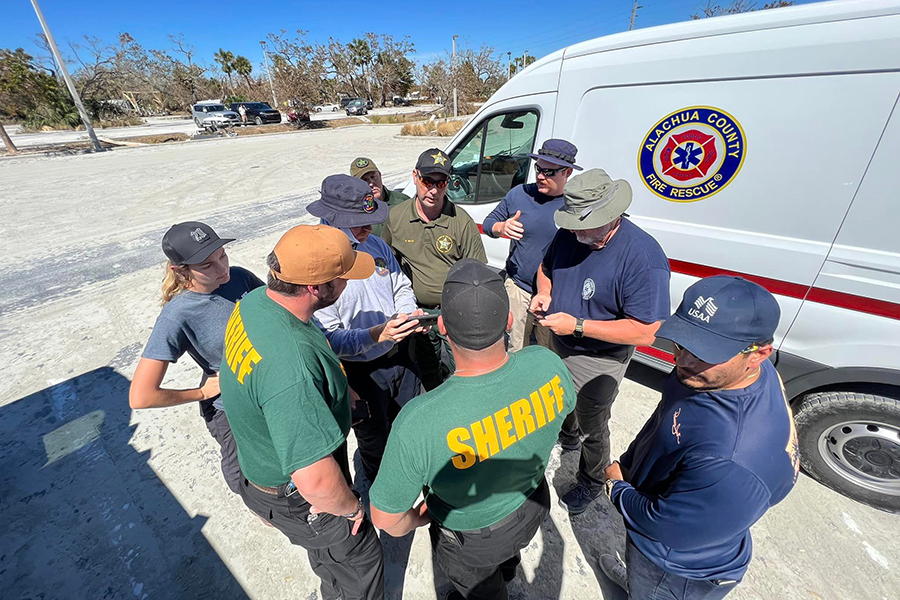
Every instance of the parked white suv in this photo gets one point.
(209, 115)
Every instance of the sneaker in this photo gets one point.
(577, 499)
(569, 444)
(615, 569)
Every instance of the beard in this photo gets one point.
(589, 239)
(328, 297)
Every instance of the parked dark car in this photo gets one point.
(357, 107)
(346, 101)
(258, 112)
(401, 101)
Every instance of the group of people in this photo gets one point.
(385, 318)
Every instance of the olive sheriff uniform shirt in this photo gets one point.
(478, 446)
(426, 251)
(392, 198)
(284, 390)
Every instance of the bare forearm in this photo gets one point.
(323, 485)
(544, 285)
(161, 398)
(622, 331)
(408, 522)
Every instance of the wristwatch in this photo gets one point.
(579, 328)
(358, 507)
(608, 487)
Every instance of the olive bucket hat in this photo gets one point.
(592, 200)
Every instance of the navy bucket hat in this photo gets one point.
(558, 152)
(348, 202)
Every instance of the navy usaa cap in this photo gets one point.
(348, 202)
(720, 317)
(474, 304)
(191, 243)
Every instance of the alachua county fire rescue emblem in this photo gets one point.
(587, 289)
(444, 244)
(692, 154)
(369, 204)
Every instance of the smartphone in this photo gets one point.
(537, 316)
(426, 320)
(360, 411)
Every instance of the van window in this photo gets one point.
(493, 159)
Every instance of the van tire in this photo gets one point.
(839, 431)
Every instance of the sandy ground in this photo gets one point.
(98, 501)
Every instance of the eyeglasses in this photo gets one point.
(749, 349)
(441, 184)
(547, 172)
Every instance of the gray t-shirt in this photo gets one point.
(194, 323)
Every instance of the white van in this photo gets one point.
(764, 145)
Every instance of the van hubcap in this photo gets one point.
(866, 454)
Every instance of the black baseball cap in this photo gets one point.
(719, 317)
(348, 202)
(433, 161)
(191, 243)
(474, 305)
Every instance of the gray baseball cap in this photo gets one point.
(592, 200)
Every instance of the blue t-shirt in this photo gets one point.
(704, 468)
(629, 277)
(525, 255)
(194, 324)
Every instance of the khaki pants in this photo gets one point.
(523, 323)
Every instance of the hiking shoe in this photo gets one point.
(569, 444)
(577, 499)
(615, 569)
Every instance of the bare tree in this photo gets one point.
(737, 6)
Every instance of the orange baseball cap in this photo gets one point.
(317, 254)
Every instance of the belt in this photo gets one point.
(282, 491)
(265, 490)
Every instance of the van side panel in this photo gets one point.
(808, 138)
(863, 267)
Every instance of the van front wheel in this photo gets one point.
(851, 442)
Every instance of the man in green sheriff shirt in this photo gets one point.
(365, 169)
(478, 444)
(429, 235)
(288, 403)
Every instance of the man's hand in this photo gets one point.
(396, 328)
(540, 304)
(614, 472)
(357, 519)
(210, 389)
(511, 227)
(559, 323)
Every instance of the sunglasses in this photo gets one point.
(547, 172)
(441, 184)
(747, 350)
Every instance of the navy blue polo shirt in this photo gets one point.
(629, 277)
(704, 468)
(525, 255)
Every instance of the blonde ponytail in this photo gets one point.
(175, 281)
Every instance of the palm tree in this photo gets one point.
(243, 68)
(226, 59)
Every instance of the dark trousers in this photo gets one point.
(479, 562)
(597, 378)
(220, 429)
(386, 384)
(646, 581)
(434, 359)
(351, 567)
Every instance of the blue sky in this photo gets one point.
(507, 25)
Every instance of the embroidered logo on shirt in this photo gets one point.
(676, 426)
(588, 289)
(381, 266)
(444, 244)
(705, 309)
(199, 235)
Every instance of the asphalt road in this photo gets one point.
(98, 501)
(164, 125)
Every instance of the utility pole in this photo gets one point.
(634, 10)
(269, 73)
(10, 147)
(453, 71)
(76, 98)
(524, 55)
(508, 65)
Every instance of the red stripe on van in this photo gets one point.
(657, 353)
(872, 306)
